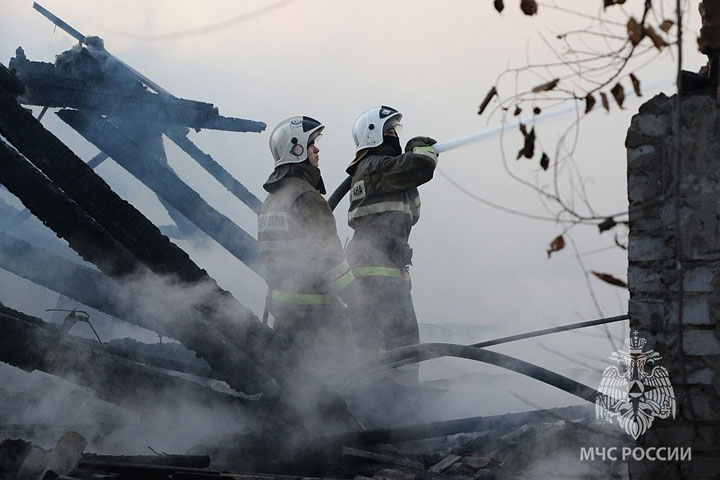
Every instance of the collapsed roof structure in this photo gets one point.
(292, 422)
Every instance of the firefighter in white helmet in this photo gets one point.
(384, 205)
(305, 268)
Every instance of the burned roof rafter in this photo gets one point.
(31, 344)
(163, 181)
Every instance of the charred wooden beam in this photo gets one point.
(164, 182)
(11, 83)
(148, 138)
(92, 288)
(56, 210)
(91, 192)
(46, 85)
(226, 324)
(453, 427)
(206, 318)
(31, 344)
(187, 461)
(73, 280)
(133, 470)
(380, 458)
(198, 368)
(145, 471)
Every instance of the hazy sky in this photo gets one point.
(332, 59)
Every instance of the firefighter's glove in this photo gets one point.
(419, 142)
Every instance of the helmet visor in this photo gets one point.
(392, 124)
(314, 138)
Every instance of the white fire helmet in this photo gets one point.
(369, 127)
(290, 139)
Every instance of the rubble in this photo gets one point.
(235, 343)
(505, 451)
(279, 422)
(29, 343)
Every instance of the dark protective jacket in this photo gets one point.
(304, 264)
(384, 205)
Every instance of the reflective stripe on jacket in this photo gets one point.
(385, 204)
(385, 185)
(298, 241)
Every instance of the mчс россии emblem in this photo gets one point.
(635, 391)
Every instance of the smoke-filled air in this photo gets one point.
(293, 236)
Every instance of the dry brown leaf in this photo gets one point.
(607, 224)
(610, 3)
(657, 40)
(486, 101)
(618, 93)
(544, 161)
(528, 150)
(604, 101)
(666, 25)
(589, 102)
(499, 5)
(528, 7)
(546, 86)
(556, 245)
(636, 84)
(517, 111)
(635, 31)
(607, 278)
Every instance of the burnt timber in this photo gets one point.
(235, 343)
(128, 226)
(150, 170)
(112, 106)
(31, 344)
(133, 139)
(61, 214)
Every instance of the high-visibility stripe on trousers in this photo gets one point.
(303, 298)
(380, 272)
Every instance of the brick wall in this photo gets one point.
(690, 348)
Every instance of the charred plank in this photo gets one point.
(234, 342)
(73, 280)
(163, 181)
(187, 461)
(64, 216)
(31, 344)
(91, 192)
(52, 86)
(211, 309)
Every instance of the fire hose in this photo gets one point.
(439, 147)
(427, 351)
(447, 145)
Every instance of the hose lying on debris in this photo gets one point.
(408, 355)
(427, 351)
